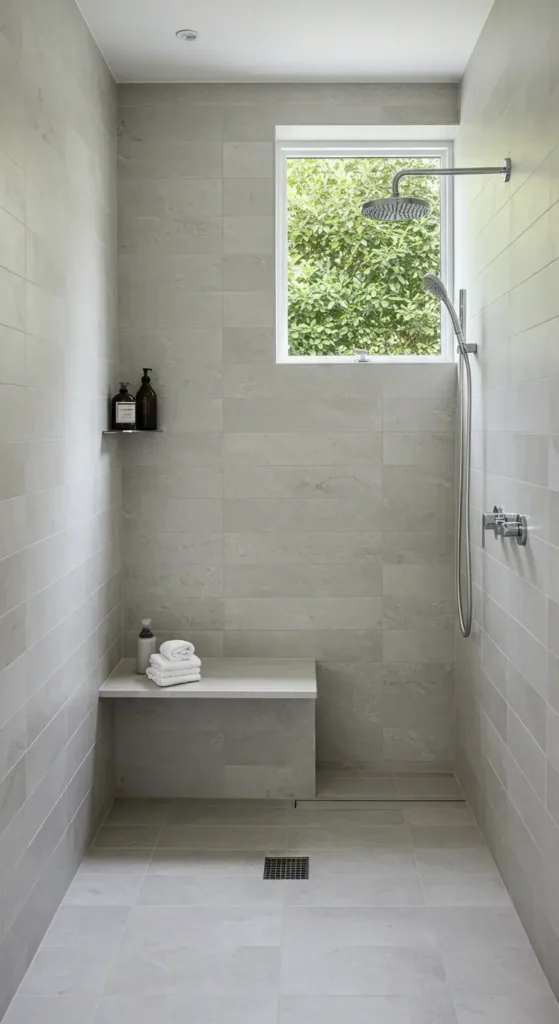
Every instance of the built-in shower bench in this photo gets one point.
(247, 729)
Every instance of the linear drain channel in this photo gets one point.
(286, 868)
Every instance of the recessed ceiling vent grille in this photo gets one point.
(286, 868)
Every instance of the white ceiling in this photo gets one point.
(287, 40)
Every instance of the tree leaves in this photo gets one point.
(354, 283)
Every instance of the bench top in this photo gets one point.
(223, 678)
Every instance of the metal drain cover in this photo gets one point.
(286, 868)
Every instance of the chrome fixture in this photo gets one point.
(187, 35)
(397, 207)
(401, 208)
(504, 524)
(434, 285)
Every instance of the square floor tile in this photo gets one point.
(138, 812)
(497, 971)
(71, 1009)
(224, 837)
(212, 864)
(80, 927)
(214, 929)
(217, 890)
(119, 861)
(462, 927)
(104, 890)
(227, 812)
(207, 1009)
(126, 837)
(322, 927)
(473, 1008)
(428, 787)
(438, 814)
(366, 1010)
(355, 787)
(141, 970)
(361, 970)
(67, 970)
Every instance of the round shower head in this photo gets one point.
(396, 208)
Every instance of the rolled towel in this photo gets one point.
(176, 650)
(173, 680)
(165, 665)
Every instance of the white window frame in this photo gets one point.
(294, 148)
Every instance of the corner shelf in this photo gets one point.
(158, 430)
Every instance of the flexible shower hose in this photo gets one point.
(463, 510)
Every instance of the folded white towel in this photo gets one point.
(176, 650)
(160, 680)
(178, 669)
(165, 665)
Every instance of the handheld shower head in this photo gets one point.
(434, 286)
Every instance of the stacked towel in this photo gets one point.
(176, 650)
(176, 663)
(165, 666)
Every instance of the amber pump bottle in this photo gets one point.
(146, 404)
(123, 410)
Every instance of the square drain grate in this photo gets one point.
(286, 867)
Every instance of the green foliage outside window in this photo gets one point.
(355, 283)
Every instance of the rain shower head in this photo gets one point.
(434, 286)
(397, 208)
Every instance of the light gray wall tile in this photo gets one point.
(169, 158)
(247, 272)
(298, 547)
(177, 119)
(59, 515)
(243, 415)
(338, 580)
(193, 199)
(284, 514)
(351, 645)
(256, 344)
(149, 237)
(248, 197)
(248, 234)
(290, 449)
(248, 159)
(302, 482)
(248, 309)
(424, 414)
(302, 613)
(506, 258)
(310, 485)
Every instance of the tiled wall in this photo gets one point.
(59, 485)
(508, 249)
(287, 510)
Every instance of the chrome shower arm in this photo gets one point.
(420, 172)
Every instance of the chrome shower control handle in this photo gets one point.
(491, 521)
(504, 524)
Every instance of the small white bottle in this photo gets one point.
(147, 645)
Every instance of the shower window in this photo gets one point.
(346, 284)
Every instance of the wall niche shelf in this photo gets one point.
(158, 430)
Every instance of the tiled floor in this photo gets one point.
(404, 920)
(354, 786)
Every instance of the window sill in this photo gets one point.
(313, 360)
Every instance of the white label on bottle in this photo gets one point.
(126, 412)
